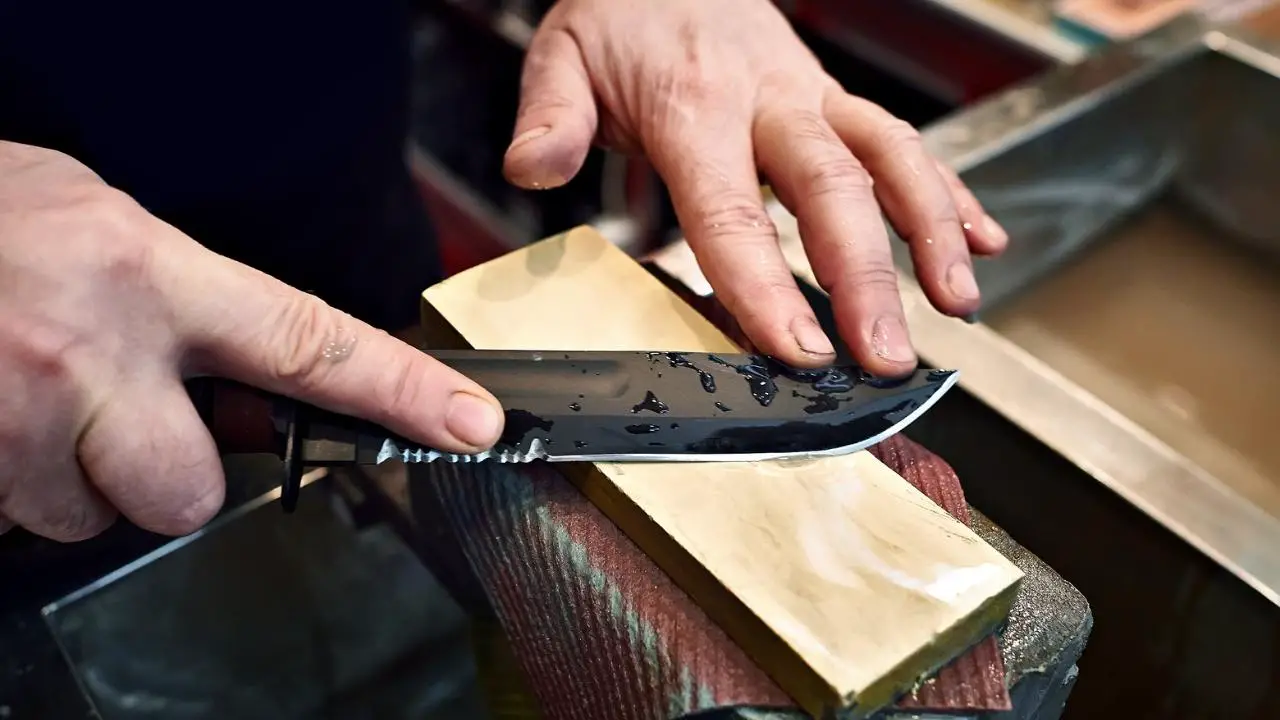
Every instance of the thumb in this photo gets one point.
(242, 324)
(557, 118)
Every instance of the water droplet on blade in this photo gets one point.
(758, 375)
(652, 404)
(680, 360)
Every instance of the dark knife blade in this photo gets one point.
(660, 406)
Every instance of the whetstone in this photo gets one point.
(842, 581)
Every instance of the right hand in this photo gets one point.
(104, 309)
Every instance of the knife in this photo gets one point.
(631, 406)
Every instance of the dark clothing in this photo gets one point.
(272, 132)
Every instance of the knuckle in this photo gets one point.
(117, 234)
(759, 294)
(41, 352)
(303, 328)
(901, 136)
(863, 276)
(878, 276)
(830, 168)
(732, 216)
(75, 523)
(811, 127)
(944, 214)
(840, 175)
(775, 291)
(129, 264)
(547, 103)
(109, 210)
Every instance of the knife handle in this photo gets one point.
(243, 419)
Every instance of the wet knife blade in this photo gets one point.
(655, 407)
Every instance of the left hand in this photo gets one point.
(715, 91)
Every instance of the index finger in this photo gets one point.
(243, 324)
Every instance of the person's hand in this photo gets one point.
(716, 90)
(104, 309)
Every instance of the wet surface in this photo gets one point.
(652, 404)
(713, 403)
(1171, 321)
(818, 403)
(759, 378)
(681, 360)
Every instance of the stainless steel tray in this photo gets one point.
(1135, 322)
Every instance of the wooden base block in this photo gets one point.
(843, 582)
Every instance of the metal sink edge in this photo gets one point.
(1151, 475)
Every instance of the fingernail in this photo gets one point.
(528, 135)
(993, 229)
(810, 337)
(472, 420)
(889, 340)
(961, 281)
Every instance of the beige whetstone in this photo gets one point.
(841, 580)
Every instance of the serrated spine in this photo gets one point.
(392, 451)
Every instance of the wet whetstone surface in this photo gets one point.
(975, 681)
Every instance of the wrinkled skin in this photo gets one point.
(104, 309)
(718, 90)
